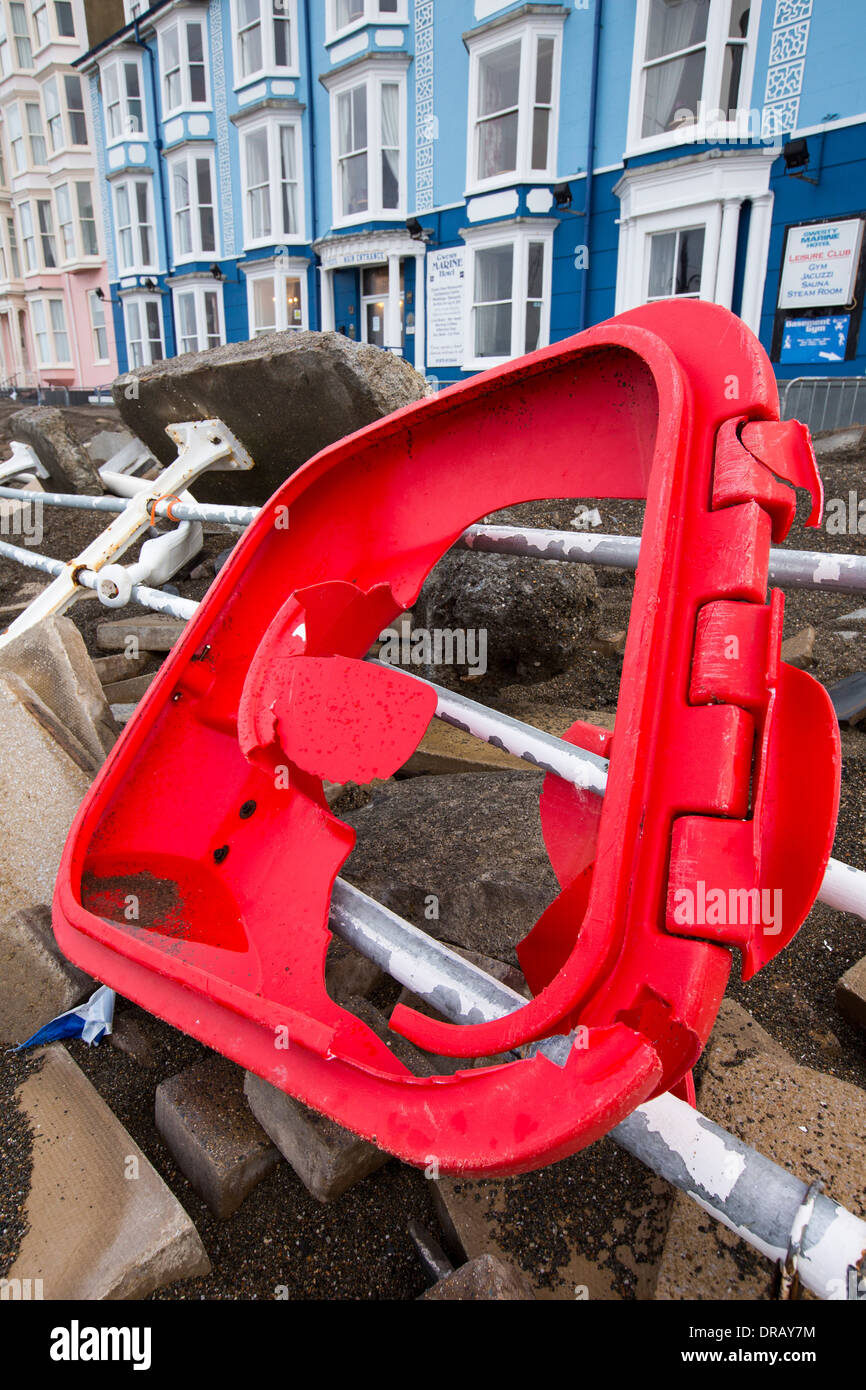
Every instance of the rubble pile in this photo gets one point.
(215, 1150)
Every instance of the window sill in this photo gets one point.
(271, 243)
(191, 108)
(267, 74)
(373, 215)
(483, 364)
(510, 180)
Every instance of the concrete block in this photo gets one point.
(36, 981)
(111, 669)
(129, 692)
(327, 1158)
(102, 1223)
(54, 662)
(155, 632)
(851, 994)
(213, 1137)
(44, 774)
(798, 650)
(445, 749)
(486, 1278)
(69, 467)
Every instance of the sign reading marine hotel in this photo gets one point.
(820, 264)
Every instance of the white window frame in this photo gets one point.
(284, 268)
(372, 78)
(94, 302)
(707, 126)
(50, 330)
(188, 156)
(271, 124)
(198, 290)
(139, 266)
(269, 66)
(372, 14)
(141, 302)
(519, 236)
(181, 23)
(527, 31)
(29, 237)
(114, 68)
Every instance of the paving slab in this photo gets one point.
(150, 633)
(69, 467)
(327, 1158)
(36, 981)
(102, 1223)
(44, 774)
(212, 1134)
(54, 662)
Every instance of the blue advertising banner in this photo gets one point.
(815, 340)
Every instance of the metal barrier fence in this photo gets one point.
(824, 402)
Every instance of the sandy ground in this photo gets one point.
(359, 1247)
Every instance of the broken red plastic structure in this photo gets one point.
(197, 876)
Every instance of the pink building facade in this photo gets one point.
(55, 321)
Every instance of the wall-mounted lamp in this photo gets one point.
(149, 284)
(105, 298)
(217, 273)
(562, 195)
(795, 153)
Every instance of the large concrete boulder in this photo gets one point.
(536, 614)
(461, 856)
(69, 466)
(284, 395)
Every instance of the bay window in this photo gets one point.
(273, 194)
(16, 137)
(133, 202)
(21, 34)
(65, 222)
(692, 68)
(676, 260)
(64, 19)
(122, 97)
(45, 216)
(35, 132)
(86, 217)
(182, 59)
(509, 276)
(28, 237)
(368, 124)
(266, 37)
(142, 318)
(198, 315)
(192, 201)
(513, 103)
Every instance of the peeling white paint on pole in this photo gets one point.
(707, 1157)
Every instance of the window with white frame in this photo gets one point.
(99, 327)
(41, 24)
(142, 318)
(277, 300)
(21, 35)
(344, 15)
(4, 45)
(182, 61)
(675, 264)
(75, 109)
(28, 237)
(122, 97)
(86, 217)
(64, 19)
(513, 103)
(273, 192)
(509, 276)
(192, 201)
(53, 115)
(35, 132)
(368, 120)
(45, 218)
(65, 222)
(13, 247)
(692, 67)
(265, 38)
(198, 315)
(48, 317)
(15, 134)
(133, 214)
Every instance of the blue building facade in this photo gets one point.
(461, 181)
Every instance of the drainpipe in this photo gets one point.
(158, 146)
(314, 201)
(590, 159)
